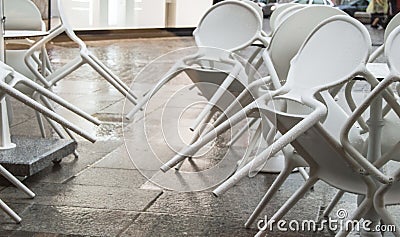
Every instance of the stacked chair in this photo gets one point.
(352, 105)
(385, 147)
(309, 120)
(357, 174)
(277, 59)
(9, 83)
(24, 16)
(217, 42)
(308, 127)
(84, 57)
(20, 84)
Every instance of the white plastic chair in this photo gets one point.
(15, 80)
(9, 80)
(84, 57)
(379, 51)
(216, 40)
(280, 8)
(394, 22)
(286, 13)
(352, 105)
(255, 6)
(388, 144)
(23, 15)
(277, 58)
(308, 124)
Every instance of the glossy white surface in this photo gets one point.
(134, 14)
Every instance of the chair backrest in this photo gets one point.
(287, 13)
(345, 47)
(334, 51)
(255, 6)
(288, 38)
(228, 25)
(392, 51)
(67, 26)
(22, 15)
(277, 12)
(394, 22)
(392, 121)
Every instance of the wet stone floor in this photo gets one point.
(115, 187)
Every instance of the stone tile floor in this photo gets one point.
(109, 190)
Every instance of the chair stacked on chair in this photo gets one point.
(284, 44)
(309, 123)
(84, 57)
(217, 42)
(23, 15)
(310, 120)
(352, 105)
(388, 189)
(8, 83)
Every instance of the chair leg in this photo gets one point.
(114, 81)
(232, 109)
(40, 123)
(10, 212)
(332, 204)
(20, 186)
(364, 206)
(16, 182)
(223, 88)
(288, 205)
(42, 109)
(242, 131)
(253, 142)
(303, 173)
(111, 74)
(271, 150)
(380, 208)
(56, 126)
(193, 148)
(61, 72)
(197, 135)
(46, 93)
(6, 174)
(167, 77)
(289, 166)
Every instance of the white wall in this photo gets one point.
(187, 13)
(115, 14)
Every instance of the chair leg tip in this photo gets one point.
(215, 194)
(164, 168)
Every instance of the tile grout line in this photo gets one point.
(140, 213)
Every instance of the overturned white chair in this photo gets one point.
(277, 59)
(9, 79)
(386, 144)
(84, 57)
(215, 61)
(308, 123)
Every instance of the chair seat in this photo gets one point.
(328, 164)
